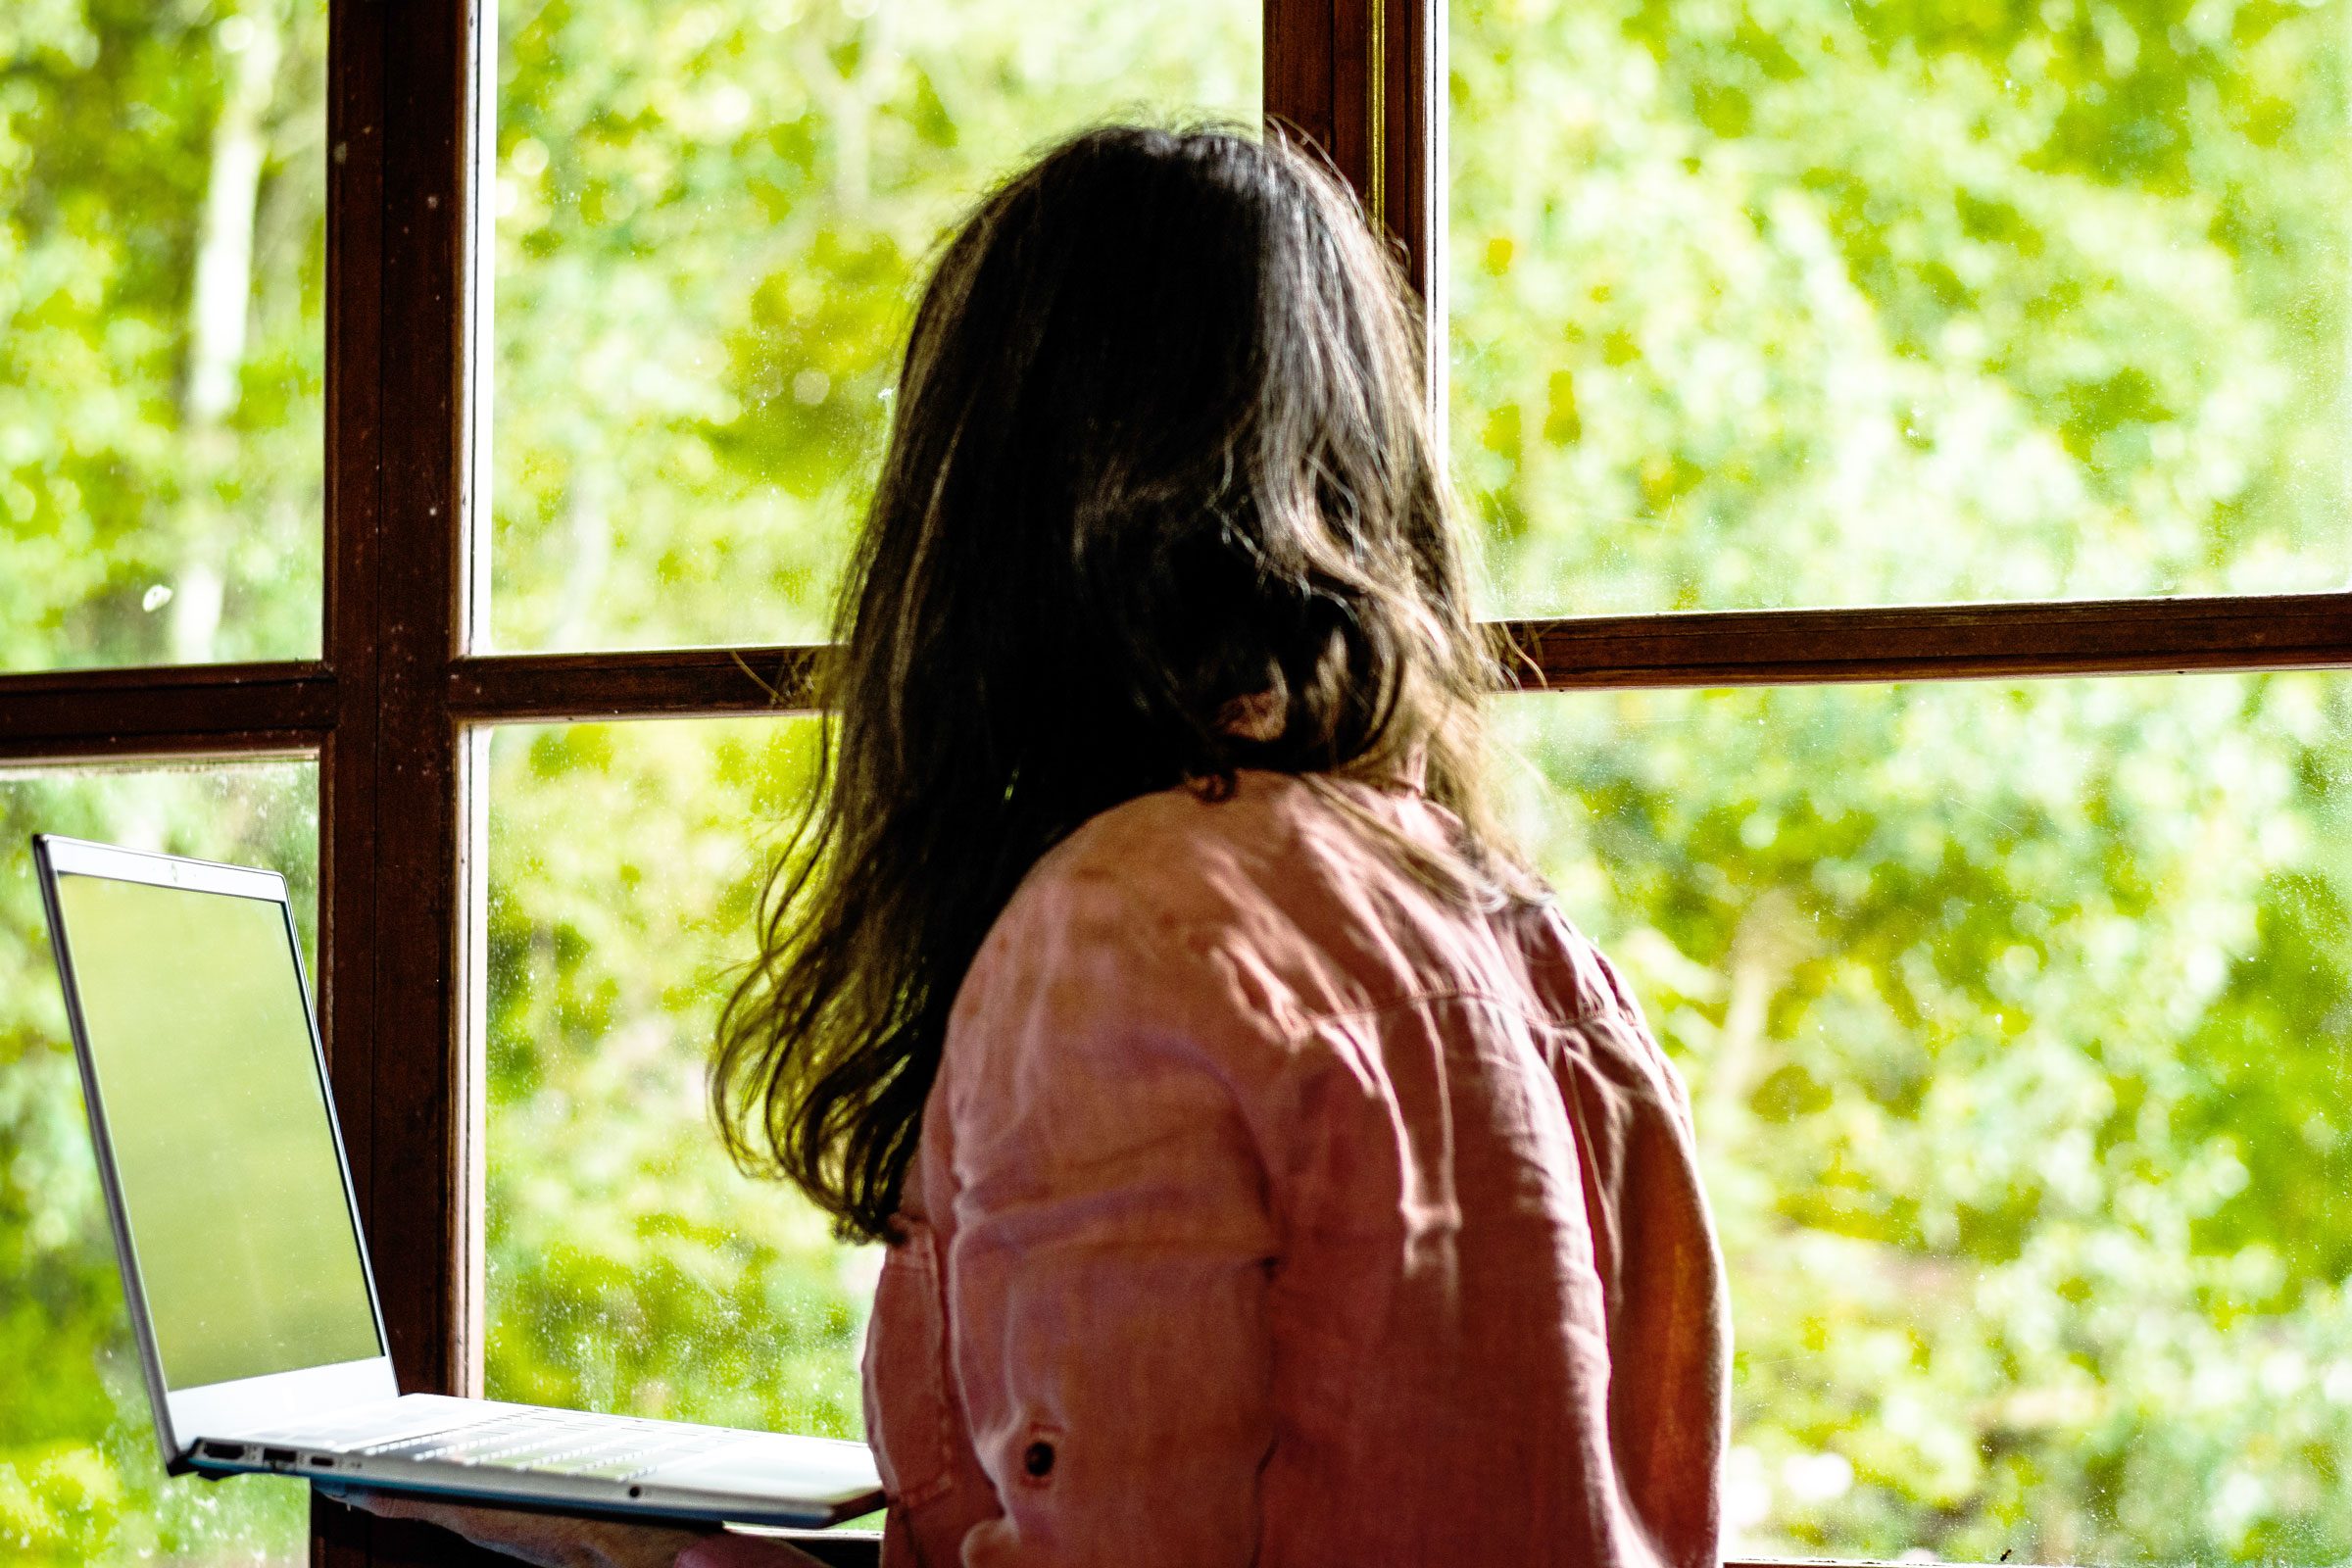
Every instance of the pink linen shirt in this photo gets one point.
(1272, 1209)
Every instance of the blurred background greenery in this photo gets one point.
(2016, 1015)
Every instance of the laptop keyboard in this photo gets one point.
(552, 1442)
(483, 1448)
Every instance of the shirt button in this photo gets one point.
(1038, 1460)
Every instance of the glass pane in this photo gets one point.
(163, 249)
(631, 1267)
(2015, 1021)
(81, 1480)
(1821, 303)
(709, 219)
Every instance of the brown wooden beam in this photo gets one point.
(233, 710)
(1297, 71)
(60, 715)
(393, 843)
(341, 1537)
(1718, 648)
(658, 683)
(1931, 642)
(402, 613)
(1410, 105)
(1363, 81)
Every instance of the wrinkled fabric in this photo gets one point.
(1273, 1208)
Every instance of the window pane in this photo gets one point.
(631, 1267)
(1817, 303)
(709, 219)
(2016, 1023)
(163, 183)
(80, 1478)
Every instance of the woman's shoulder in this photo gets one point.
(1277, 894)
(1169, 877)
(1194, 853)
(1166, 899)
(1134, 940)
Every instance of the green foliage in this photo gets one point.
(117, 493)
(2016, 1017)
(706, 242)
(1797, 302)
(630, 1266)
(2016, 1023)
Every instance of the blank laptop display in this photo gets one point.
(244, 1268)
(226, 1159)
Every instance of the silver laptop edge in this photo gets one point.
(256, 1424)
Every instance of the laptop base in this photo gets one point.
(527, 1456)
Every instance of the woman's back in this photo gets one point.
(1274, 1207)
(1253, 1200)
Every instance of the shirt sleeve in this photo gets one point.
(1662, 1274)
(1108, 1270)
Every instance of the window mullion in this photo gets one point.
(1704, 648)
(1297, 72)
(1358, 78)
(393, 814)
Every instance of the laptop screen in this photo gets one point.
(200, 1036)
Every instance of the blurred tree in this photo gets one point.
(1801, 303)
(2016, 1017)
(2036, 1249)
(163, 183)
(711, 220)
(2033, 1246)
(630, 1266)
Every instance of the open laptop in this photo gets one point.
(242, 1261)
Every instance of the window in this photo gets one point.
(1821, 304)
(713, 216)
(2016, 1007)
(163, 180)
(163, 183)
(630, 1266)
(2012, 1016)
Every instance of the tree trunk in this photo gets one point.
(219, 305)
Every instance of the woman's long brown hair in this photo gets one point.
(1159, 448)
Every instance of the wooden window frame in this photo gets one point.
(397, 708)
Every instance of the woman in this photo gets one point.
(1270, 1173)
